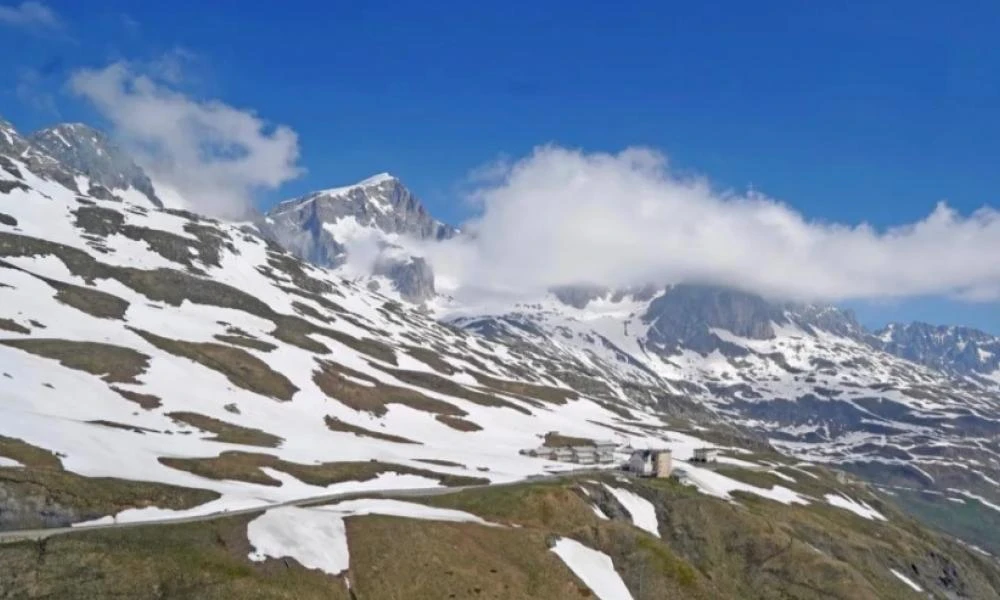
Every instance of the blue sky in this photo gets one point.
(869, 114)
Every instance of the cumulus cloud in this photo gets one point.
(30, 15)
(560, 217)
(208, 155)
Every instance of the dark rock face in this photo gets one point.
(828, 318)
(688, 308)
(37, 161)
(382, 202)
(579, 296)
(35, 511)
(92, 153)
(308, 228)
(684, 315)
(955, 350)
(413, 278)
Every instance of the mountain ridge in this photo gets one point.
(379, 215)
(93, 154)
(219, 369)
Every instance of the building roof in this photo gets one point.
(647, 452)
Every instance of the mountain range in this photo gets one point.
(193, 366)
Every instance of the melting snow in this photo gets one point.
(859, 508)
(715, 484)
(907, 580)
(977, 497)
(317, 538)
(643, 512)
(594, 568)
(398, 508)
(781, 475)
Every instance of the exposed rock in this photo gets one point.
(579, 296)
(957, 350)
(413, 277)
(92, 153)
(307, 226)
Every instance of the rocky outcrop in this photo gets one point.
(380, 211)
(92, 153)
(956, 350)
(413, 278)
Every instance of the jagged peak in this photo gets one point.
(9, 132)
(70, 133)
(90, 151)
(374, 181)
(377, 179)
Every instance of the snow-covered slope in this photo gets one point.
(159, 346)
(807, 377)
(150, 345)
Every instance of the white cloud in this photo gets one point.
(214, 156)
(30, 15)
(562, 216)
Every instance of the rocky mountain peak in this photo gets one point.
(685, 315)
(320, 227)
(94, 154)
(14, 146)
(378, 179)
(956, 350)
(11, 142)
(381, 202)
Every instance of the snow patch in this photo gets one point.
(913, 585)
(316, 539)
(598, 512)
(594, 569)
(720, 486)
(859, 508)
(643, 512)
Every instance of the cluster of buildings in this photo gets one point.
(599, 453)
(648, 462)
(660, 462)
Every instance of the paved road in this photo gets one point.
(41, 534)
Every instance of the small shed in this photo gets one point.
(705, 455)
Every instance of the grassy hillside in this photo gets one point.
(708, 548)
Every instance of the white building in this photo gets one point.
(651, 463)
(705, 455)
(599, 453)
